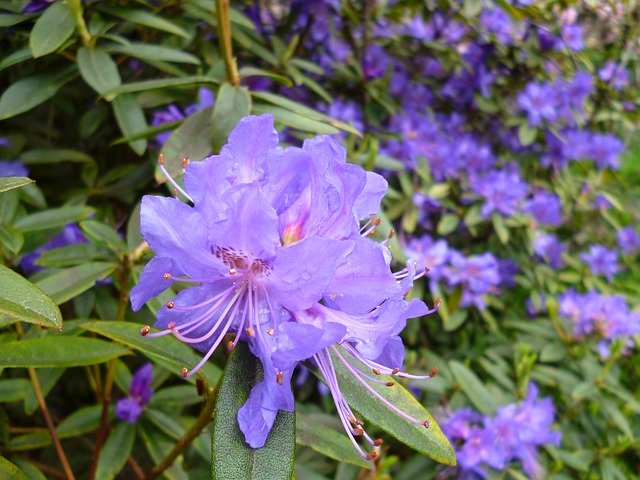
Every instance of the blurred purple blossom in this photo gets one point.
(71, 234)
(545, 207)
(614, 74)
(478, 275)
(628, 240)
(128, 409)
(601, 261)
(550, 249)
(503, 191)
(14, 168)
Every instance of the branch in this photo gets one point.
(224, 39)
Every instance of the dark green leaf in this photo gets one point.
(147, 85)
(31, 91)
(130, 118)
(447, 224)
(13, 389)
(83, 420)
(501, 229)
(313, 430)
(192, 140)
(31, 471)
(70, 282)
(14, 19)
(147, 19)
(259, 72)
(231, 456)
(9, 183)
(51, 30)
(428, 441)
(232, 104)
(22, 300)
(70, 255)
(98, 69)
(473, 387)
(103, 234)
(53, 218)
(155, 53)
(16, 57)
(8, 471)
(44, 157)
(116, 449)
(167, 351)
(58, 351)
(294, 120)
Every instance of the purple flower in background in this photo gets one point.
(545, 208)
(271, 233)
(515, 432)
(497, 22)
(478, 275)
(507, 269)
(601, 261)
(502, 191)
(614, 74)
(173, 114)
(128, 409)
(538, 102)
(628, 240)
(35, 6)
(71, 234)
(572, 36)
(5, 142)
(604, 149)
(13, 168)
(549, 248)
(427, 206)
(429, 254)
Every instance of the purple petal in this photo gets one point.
(151, 283)
(302, 271)
(368, 202)
(128, 410)
(362, 281)
(299, 341)
(140, 388)
(255, 421)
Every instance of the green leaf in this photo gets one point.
(16, 57)
(314, 430)
(147, 85)
(231, 456)
(98, 70)
(116, 449)
(167, 351)
(71, 255)
(13, 389)
(8, 471)
(9, 183)
(53, 218)
(103, 234)
(58, 351)
(428, 441)
(130, 118)
(527, 134)
(232, 104)
(447, 224)
(155, 53)
(83, 420)
(259, 72)
(51, 30)
(147, 19)
(501, 229)
(294, 120)
(192, 140)
(22, 300)
(46, 156)
(12, 19)
(31, 91)
(31, 471)
(70, 282)
(473, 388)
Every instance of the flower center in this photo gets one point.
(240, 262)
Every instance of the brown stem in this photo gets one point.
(224, 40)
(35, 381)
(203, 419)
(135, 466)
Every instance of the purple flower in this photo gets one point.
(427, 206)
(479, 275)
(430, 254)
(515, 432)
(5, 142)
(502, 191)
(497, 22)
(614, 74)
(628, 240)
(601, 261)
(550, 249)
(572, 36)
(538, 101)
(35, 6)
(128, 409)
(271, 233)
(545, 208)
(13, 169)
(69, 235)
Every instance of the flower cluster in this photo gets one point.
(514, 433)
(272, 250)
(607, 316)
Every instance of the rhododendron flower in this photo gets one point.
(272, 250)
(128, 409)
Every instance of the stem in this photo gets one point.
(203, 419)
(135, 466)
(76, 10)
(50, 426)
(224, 39)
(123, 302)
